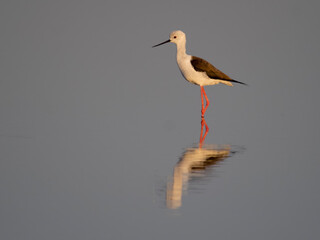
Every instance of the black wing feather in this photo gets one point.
(201, 65)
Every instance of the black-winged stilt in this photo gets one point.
(197, 70)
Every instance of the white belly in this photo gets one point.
(191, 75)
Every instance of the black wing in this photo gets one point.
(201, 65)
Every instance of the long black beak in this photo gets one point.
(161, 43)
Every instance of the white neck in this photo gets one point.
(181, 49)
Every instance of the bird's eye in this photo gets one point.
(175, 37)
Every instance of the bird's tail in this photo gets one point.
(235, 81)
(224, 81)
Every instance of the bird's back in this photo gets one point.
(202, 65)
(194, 70)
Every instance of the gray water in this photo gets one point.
(99, 133)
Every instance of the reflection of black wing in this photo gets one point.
(201, 65)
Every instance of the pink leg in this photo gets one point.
(203, 110)
(207, 100)
(202, 105)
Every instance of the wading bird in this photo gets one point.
(197, 70)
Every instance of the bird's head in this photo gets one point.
(175, 37)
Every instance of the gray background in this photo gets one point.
(93, 120)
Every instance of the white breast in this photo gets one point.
(191, 75)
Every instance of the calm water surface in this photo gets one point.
(98, 143)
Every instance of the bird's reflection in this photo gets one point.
(203, 136)
(194, 161)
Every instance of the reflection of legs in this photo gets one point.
(204, 109)
(202, 138)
